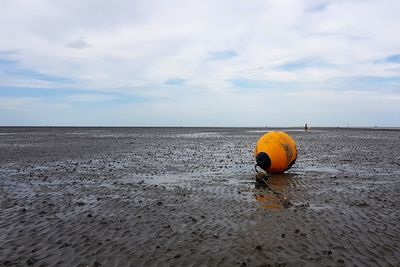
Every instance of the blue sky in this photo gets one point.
(200, 63)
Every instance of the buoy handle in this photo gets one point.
(255, 168)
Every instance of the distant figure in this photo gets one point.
(305, 127)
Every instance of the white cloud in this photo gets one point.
(10, 103)
(89, 98)
(135, 46)
(79, 44)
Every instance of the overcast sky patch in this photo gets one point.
(234, 59)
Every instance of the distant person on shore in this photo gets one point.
(306, 127)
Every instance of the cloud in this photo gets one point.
(394, 59)
(319, 7)
(87, 98)
(10, 103)
(222, 49)
(13, 74)
(223, 55)
(176, 81)
(260, 84)
(79, 44)
(6, 63)
(303, 64)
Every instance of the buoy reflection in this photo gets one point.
(273, 189)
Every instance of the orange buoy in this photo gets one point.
(275, 152)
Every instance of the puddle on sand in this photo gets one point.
(284, 130)
(319, 207)
(281, 182)
(199, 135)
(273, 195)
(329, 170)
(272, 201)
(164, 179)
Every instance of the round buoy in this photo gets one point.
(275, 152)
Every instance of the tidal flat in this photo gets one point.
(188, 197)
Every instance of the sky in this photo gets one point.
(200, 63)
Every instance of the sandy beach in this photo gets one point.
(188, 197)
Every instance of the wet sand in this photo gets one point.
(187, 197)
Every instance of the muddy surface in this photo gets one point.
(187, 197)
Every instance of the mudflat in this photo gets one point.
(188, 197)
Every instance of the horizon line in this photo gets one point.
(160, 126)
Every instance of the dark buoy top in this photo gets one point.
(263, 161)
